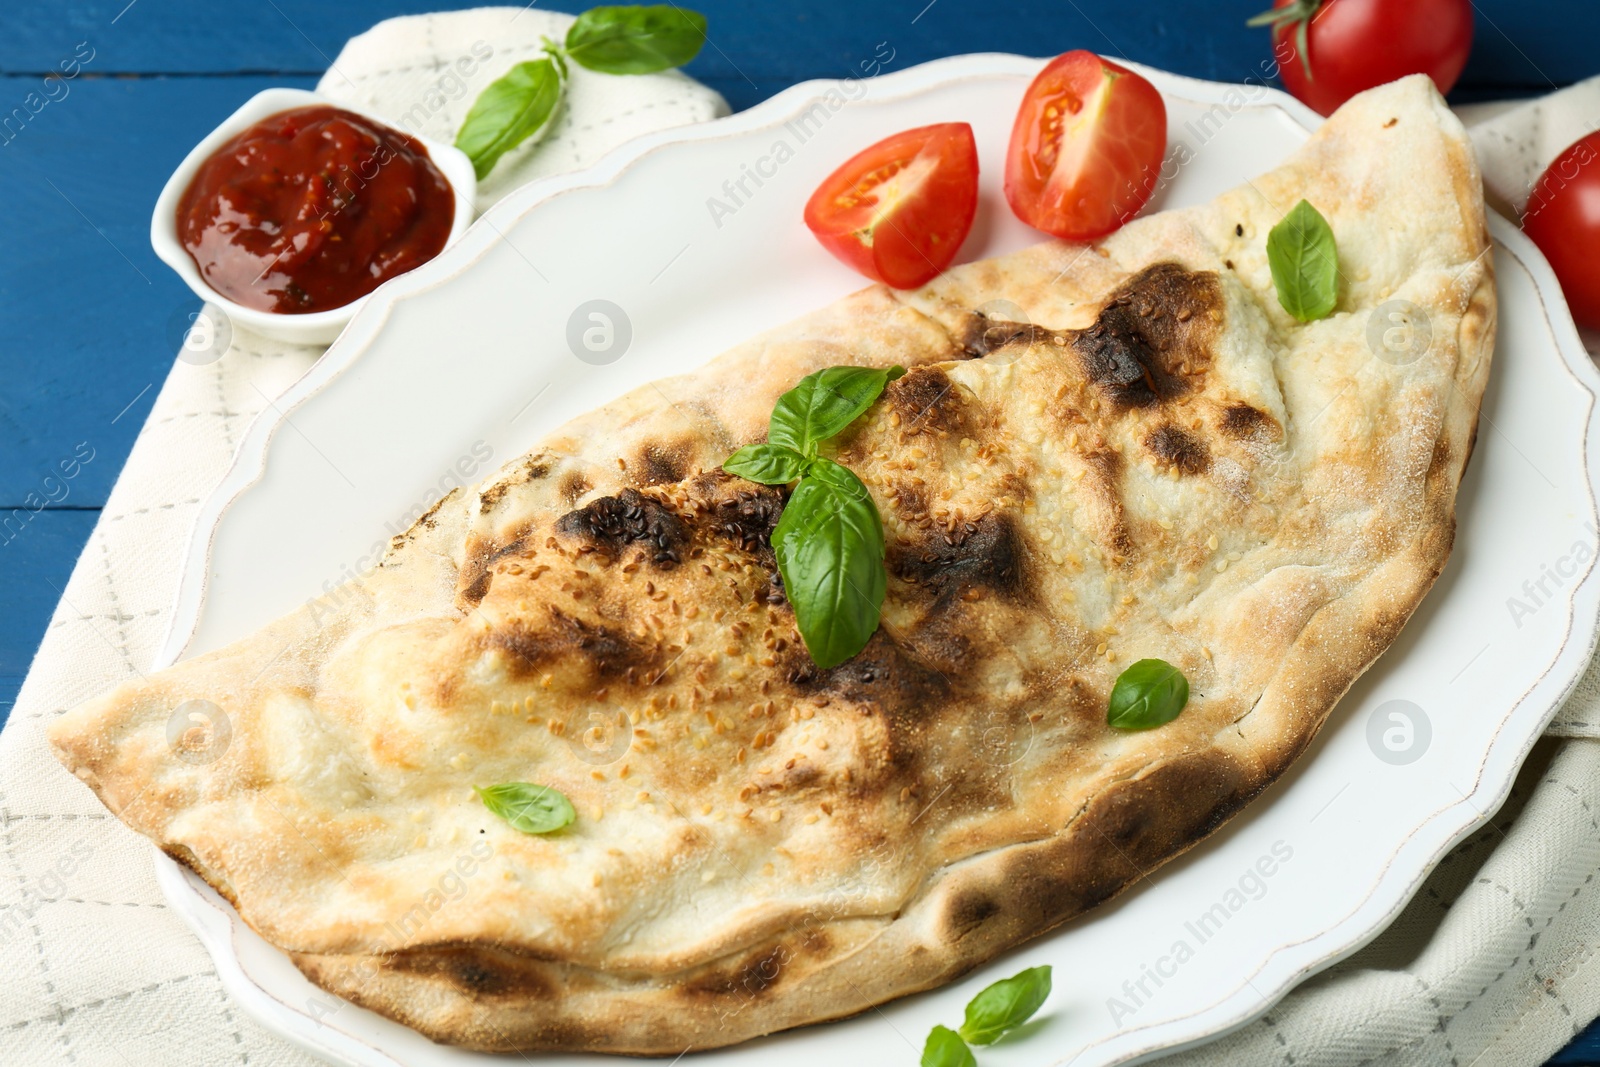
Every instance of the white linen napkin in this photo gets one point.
(1492, 963)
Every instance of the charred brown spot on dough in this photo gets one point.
(752, 976)
(1241, 421)
(573, 486)
(1178, 449)
(1103, 490)
(1390, 123)
(981, 335)
(608, 650)
(1151, 336)
(659, 464)
(948, 562)
(745, 514)
(477, 580)
(477, 573)
(473, 972)
(475, 977)
(1139, 817)
(969, 909)
(1126, 830)
(1015, 487)
(883, 675)
(426, 521)
(909, 500)
(614, 523)
(925, 400)
(1041, 896)
(1439, 462)
(528, 469)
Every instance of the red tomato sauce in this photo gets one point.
(312, 208)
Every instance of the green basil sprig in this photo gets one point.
(636, 40)
(944, 1048)
(515, 107)
(1149, 693)
(768, 464)
(1005, 1005)
(533, 809)
(829, 543)
(520, 104)
(1304, 262)
(998, 1009)
(824, 403)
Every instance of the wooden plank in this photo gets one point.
(1520, 45)
(1584, 1050)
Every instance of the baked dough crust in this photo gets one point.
(1141, 455)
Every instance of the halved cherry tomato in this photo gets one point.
(899, 210)
(1563, 218)
(1086, 148)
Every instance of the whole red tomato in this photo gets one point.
(1563, 218)
(1329, 50)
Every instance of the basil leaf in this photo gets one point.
(1149, 693)
(1304, 262)
(946, 1049)
(829, 545)
(533, 809)
(516, 106)
(825, 403)
(1005, 1005)
(636, 40)
(829, 541)
(768, 464)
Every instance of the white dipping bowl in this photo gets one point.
(316, 327)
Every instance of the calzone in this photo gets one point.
(1100, 453)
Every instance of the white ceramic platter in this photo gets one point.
(464, 363)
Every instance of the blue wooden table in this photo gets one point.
(86, 310)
